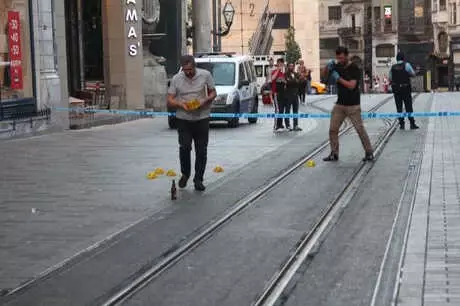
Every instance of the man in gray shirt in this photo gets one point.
(192, 124)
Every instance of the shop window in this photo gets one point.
(329, 43)
(386, 50)
(442, 5)
(335, 13)
(15, 54)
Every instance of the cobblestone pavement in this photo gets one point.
(431, 269)
(62, 193)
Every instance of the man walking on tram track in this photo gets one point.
(346, 75)
(190, 85)
(400, 75)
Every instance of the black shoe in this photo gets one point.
(413, 126)
(183, 181)
(402, 126)
(331, 157)
(297, 129)
(199, 186)
(369, 157)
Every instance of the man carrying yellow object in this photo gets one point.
(191, 93)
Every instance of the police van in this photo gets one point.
(236, 85)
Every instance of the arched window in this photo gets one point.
(385, 50)
(442, 41)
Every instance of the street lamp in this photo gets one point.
(229, 13)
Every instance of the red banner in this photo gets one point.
(15, 51)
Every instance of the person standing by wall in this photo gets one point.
(346, 75)
(308, 82)
(292, 89)
(399, 76)
(192, 124)
(302, 73)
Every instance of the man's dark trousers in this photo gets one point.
(403, 95)
(283, 108)
(293, 101)
(197, 132)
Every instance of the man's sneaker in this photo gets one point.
(369, 157)
(413, 126)
(199, 186)
(331, 157)
(297, 129)
(183, 181)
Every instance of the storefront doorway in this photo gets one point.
(84, 47)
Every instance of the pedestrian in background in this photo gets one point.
(308, 82)
(399, 76)
(292, 100)
(302, 73)
(190, 84)
(279, 88)
(346, 75)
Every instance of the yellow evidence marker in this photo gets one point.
(193, 104)
(159, 171)
(218, 169)
(310, 163)
(152, 175)
(171, 173)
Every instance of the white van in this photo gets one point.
(236, 85)
(261, 64)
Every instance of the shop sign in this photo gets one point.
(387, 12)
(132, 21)
(15, 51)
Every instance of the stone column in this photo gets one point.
(123, 56)
(306, 24)
(202, 23)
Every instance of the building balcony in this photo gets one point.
(349, 32)
(382, 28)
(329, 27)
(440, 17)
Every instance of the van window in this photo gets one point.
(223, 73)
(248, 71)
(242, 75)
(259, 71)
(253, 71)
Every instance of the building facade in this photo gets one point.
(300, 14)
(446, 34)
(33, 56)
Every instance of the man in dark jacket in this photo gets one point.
(399, 76)
(291, 93)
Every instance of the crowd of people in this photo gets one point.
(289, 86)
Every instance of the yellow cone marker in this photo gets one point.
(218, 169)
(171, 173)
(152, 175)
(159, 171)
(310, 164)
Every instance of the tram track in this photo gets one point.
(152, 273)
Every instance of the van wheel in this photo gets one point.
(255, 110)
(235, 122)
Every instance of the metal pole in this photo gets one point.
(202, 26)
(214, 26)
(219, 24)
(242, 32)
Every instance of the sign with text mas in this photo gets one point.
(132, 21)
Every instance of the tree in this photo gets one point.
(293, 53)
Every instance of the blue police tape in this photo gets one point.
(264, 115)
